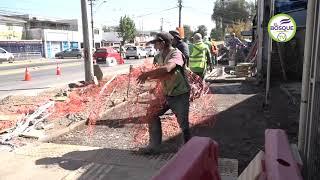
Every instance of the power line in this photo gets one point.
(156, 12)
(201, 11)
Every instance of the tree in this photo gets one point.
(202, 29)
(110, 28)
(238, 27)
(228, 12)
(187, 32)
(216, 34)
(127, 29)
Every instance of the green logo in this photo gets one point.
(282, 28)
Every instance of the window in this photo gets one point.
(101, 51)
(96, 31)
(131, 48)
(75, 50)
(285, 5)
(2, 51)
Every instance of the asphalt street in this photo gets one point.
(4, 67)
(44, 77)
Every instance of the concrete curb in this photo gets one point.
(231, 80)
(72, 127)
(61, 132)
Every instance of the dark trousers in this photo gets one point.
(180, 107)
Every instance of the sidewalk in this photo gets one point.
(24, 62)
(31, 62)
(57, 161)
(61, 161)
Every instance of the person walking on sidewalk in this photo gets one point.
(182, 46)
(233, 44)
(200, 56)
(175, 88)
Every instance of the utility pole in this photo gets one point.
(180, 7)
(92, 29)
(161, 27)
(87, 50)
(222, 17)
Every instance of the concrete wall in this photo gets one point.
(11, 32)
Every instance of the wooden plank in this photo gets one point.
(284, 74)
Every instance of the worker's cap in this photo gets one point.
(162, 37)
(175, 34)
(197, 37)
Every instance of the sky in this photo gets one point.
(147, 14)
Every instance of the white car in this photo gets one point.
(136, 52)
(5, 56)
(151, 51)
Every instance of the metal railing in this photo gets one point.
(27, 55)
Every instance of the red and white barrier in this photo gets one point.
(279, 161)
(198, 159)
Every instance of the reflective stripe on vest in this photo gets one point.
(197, 58)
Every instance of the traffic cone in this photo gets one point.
(27, 75)
(58, 71)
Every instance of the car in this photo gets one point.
(107, 53)
(6, 56)
(136, 52)
(151, 51)
(69, 53)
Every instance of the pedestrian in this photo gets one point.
(208, 42)
(176, 89)
(182, 46)
(200, 56)
(233, 43)
(214, 52)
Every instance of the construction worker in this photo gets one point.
(170, 71)
(233, 44)
(214, 52)
(179, 44)
(208, 42)
(200, 56)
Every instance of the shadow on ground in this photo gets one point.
(239, 129)
(107, 164)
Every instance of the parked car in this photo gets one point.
(151, 51)
(69, 53)
(136, 52)
(105, 53)
(6, 56)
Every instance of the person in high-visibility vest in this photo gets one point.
(170, 71)
(200, 56)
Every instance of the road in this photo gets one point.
(44, 77)
(4, 67)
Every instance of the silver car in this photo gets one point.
(6, 56)
(136, 52)
(151, 51)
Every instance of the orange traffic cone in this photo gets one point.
(58, 73)
(27, 75)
